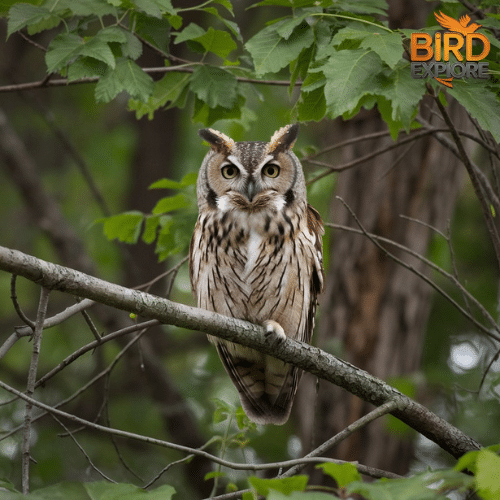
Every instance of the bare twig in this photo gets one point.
(488, 368)
(474, 177)
(89, 460)
(174, 270)
(17, 307)
(375, 239)
(95, 379)
(481, 177)
(362, 159)
(161, 443)
(353, 140)
(92, 345)
(91, 325)
(30, 388)
(57, 319)
(344, 434)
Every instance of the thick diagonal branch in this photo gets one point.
(309, 358)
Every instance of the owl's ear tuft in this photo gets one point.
(218, 141)
(284, 138)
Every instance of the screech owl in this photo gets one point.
(256, 254)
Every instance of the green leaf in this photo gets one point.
(342, 473)
(233, 27)
(299, 495)
(167, 90)
(350, 76)
(227, 4)
(150, 228)
(88, 7)
(112, 34)
(271, 52)
(217, 41)
(125, 227)
(203, 113)
(404, 93)
(127, 76)
(488, 475)
(413, 488)
(313, 81)
(155, 31)
(214, 86)
(190, 32)
(175, 21)
(86, 67)
(132, 47)
(363, 6)
(388, 46)
(480, 102)
(99, 50)
(312, 105)
(170, 203)
(62, 50)
(291, 3)
(285, 485)
(187, 180)
(213, 474)
(155, 8)
(354, 31)
(102, 490)
(25, 14)
(61, 491)
(175, 234)
(166, 184)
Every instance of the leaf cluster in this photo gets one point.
(342, 54)
(427, 485)
(170, 224)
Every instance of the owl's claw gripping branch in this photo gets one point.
(274, 329)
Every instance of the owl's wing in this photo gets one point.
(315, 225)
(266, 393)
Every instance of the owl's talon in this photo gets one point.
(274, 329)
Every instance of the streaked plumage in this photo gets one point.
(256, 254)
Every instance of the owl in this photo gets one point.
(256, 254)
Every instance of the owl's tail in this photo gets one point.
(266, 385)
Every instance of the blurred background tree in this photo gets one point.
(67, 161)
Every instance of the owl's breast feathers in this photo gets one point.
(260, 265)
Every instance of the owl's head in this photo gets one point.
(250, 176)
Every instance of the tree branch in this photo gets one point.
(307, 357)
(63, 82)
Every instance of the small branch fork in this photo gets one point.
(307, 357)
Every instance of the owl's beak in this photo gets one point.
(251, 188)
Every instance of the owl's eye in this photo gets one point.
(229, 171)
(271, 170)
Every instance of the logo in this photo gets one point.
(432, 57)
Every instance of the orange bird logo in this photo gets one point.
(457, 26)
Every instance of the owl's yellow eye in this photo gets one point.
(271, 170)
(229, 171)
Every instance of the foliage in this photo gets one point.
(345, 56)
(428, 485)
(171, 233)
